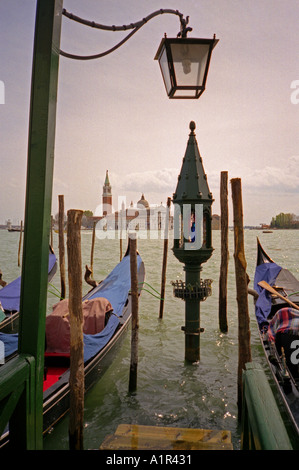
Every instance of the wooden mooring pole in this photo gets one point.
(2, 283)
(20, 244)
(164, 265)
(241, 286)
(92, 246)
(61, 244)
(76, 330)
(135, 319)
(51, 232)
(224, 253)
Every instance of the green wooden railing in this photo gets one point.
(17, 398)
(21, 379)
(263, 427)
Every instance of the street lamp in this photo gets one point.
(184, 64)
(192, 240)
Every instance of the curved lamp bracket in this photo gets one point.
(134, 26)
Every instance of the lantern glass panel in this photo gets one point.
(189, 226)
(193, 226)
(190, 61)
(163, 61)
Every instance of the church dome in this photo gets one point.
(143, 202)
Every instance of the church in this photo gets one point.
(143, 217)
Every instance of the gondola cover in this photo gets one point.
(95, 313)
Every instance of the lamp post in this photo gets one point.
(192, 241)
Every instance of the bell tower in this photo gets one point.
(107, 196)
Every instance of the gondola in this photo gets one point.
(277, 316)
(10, 298)
(99, 347)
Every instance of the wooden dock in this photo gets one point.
(136, 437)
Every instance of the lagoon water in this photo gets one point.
(169, 391)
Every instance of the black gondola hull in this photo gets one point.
(286, 384)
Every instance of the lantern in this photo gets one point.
(184, 64)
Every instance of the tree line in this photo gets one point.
(283, 220)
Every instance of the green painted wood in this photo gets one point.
(38, 216)
(192, 316)
(16, 382)
(262, 424)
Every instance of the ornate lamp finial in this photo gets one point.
(192, 127)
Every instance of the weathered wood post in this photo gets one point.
(20, 244)
(2, 283)
(76, 330)
(224, 253)
(135, 319)
(92, 246)
(61, 244)
(120, 248)
(51, 232)
(241, 285)
(165, 251)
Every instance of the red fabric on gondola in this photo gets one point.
(52, 376)
(58, 327)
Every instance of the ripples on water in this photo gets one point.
(169, 392)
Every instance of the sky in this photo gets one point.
(113, 113)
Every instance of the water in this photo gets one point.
(169, 392)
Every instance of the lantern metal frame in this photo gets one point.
(166, 47)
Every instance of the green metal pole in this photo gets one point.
(192, 315)
(39, 195)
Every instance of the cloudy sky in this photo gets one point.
(113, 113)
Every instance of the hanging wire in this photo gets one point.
(135, 26)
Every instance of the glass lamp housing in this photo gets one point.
(184, 64)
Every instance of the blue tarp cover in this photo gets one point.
(10, 294)
(115, 287)
(264, 272)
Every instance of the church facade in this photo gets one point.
(142, 217)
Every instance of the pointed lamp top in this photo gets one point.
(193, 200)
(192, 183)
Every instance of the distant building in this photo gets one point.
(216, 222)
(141, 217)
(107, 196)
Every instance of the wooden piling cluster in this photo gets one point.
(75, 298)
(244, 346)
